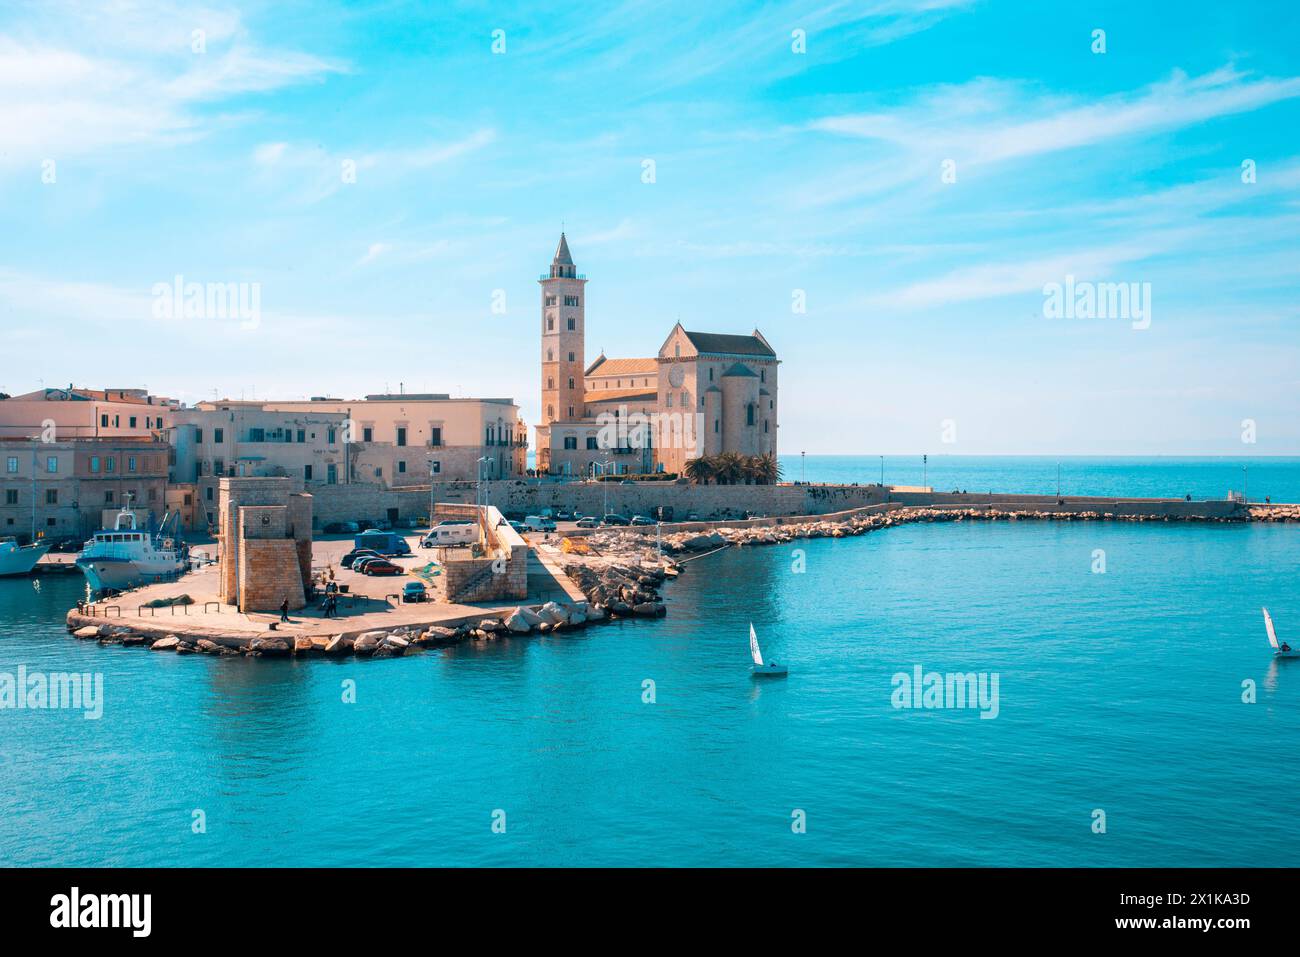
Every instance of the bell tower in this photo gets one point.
(563, 329)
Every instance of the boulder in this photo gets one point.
(396, 642)
(517, 623)
(367, 643)
(271, 646)
(169, 643)
(209, 647)
(88, 631)
(302, 645)
(648, 608)
(596, 613)
(335, 646)
(491, 625)
(130, 640)
(185, 648)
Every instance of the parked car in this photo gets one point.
(384, 543)
(539, 523)
(563, 515)
(611, 519)
(348, 560)
(382, 566)
(414, 592)
(359, 565)
(642, 520)
(692, 517)
(589, 521)
(519, 527)
(627, 482)
(69, 544)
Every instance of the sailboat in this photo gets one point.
(771, 668)
(1280, 648)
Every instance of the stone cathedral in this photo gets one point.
(702, 394)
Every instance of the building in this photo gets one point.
(67, 488)
(73, 413)
(703, 393)
(405, 439)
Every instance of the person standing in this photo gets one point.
(284, 609)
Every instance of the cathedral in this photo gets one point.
(703, 393)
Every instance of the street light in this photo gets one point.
(605, 485)
(478, 488)
(882, 470)
(1245, 478)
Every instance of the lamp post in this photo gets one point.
(925, 470)
(605, 486)
(478, 488)
(1058, 479)
(882, 470)
(803, 473)
(1245, 479)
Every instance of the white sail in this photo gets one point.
(753, 646)
(1268, 626)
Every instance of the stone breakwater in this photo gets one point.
(630, 546)
(1275, 513)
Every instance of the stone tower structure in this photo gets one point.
(563, 332)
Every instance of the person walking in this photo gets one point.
(284, 609)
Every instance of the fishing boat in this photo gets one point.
(18, 559)
(1280, 648)
(125, 555)
(762, 669)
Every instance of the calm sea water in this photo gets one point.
(1119, 691)
(1167, 476)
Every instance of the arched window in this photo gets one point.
(749, 414)
(550, 355)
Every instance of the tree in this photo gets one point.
(767, 468)
(701, 470)
(730, 468)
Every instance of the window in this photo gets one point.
(570, 382)
(591, 443)
(218, 435)
(330, 436)
(198, 436)
(401, 467)
(153, 495)
(669, 398)
(11, 496)
(715, 425)
(401, 435)
(765, 426)
(302, 435)
(677, 350)
(131, 420)
(749, 414)
(218, 467)
(571, 442)
(209, 495)
(103, 421)
(550, 355)
(49, 523)
(762, 375)
(110, 464)
(12, 464)
(116, 421)
(550, 324)
(108, 498)
(189, 499)
(130, 463)
(94, 463)
(160, 422)
(550, 382)
(710, 373)
(379, 471)
(571, 357)
(570, 411)
(570, 300)
(331, 474)
(686, 400)
(550, 300)
(367, 434)
(306, 473)
(435, 466)
(550, 413)
(435, 436)
(572, 324)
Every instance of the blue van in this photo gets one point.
(385, 543)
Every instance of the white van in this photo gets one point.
(450, 533)
(539, 523)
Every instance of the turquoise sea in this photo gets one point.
(1120, 692)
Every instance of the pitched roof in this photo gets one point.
(720, 343)
(740, 369)
(562, 257)
(604, 366)
(620, 395)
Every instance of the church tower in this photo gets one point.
(563, 329)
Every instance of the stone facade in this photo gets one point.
(701, 394)
(495, 570)
(265, 538)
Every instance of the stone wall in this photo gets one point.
(265, 541)
(502, 570)
(268, 573)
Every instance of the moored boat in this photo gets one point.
(125, 555)
(18, 559)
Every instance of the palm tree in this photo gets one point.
(768, 468)
(730, 468)
(701, 470)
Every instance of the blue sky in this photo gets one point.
(775, 171)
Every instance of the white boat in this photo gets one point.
(762, 669)
(1280, 648)
(125, 555)
(18, 559)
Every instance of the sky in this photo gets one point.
(885, 188)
